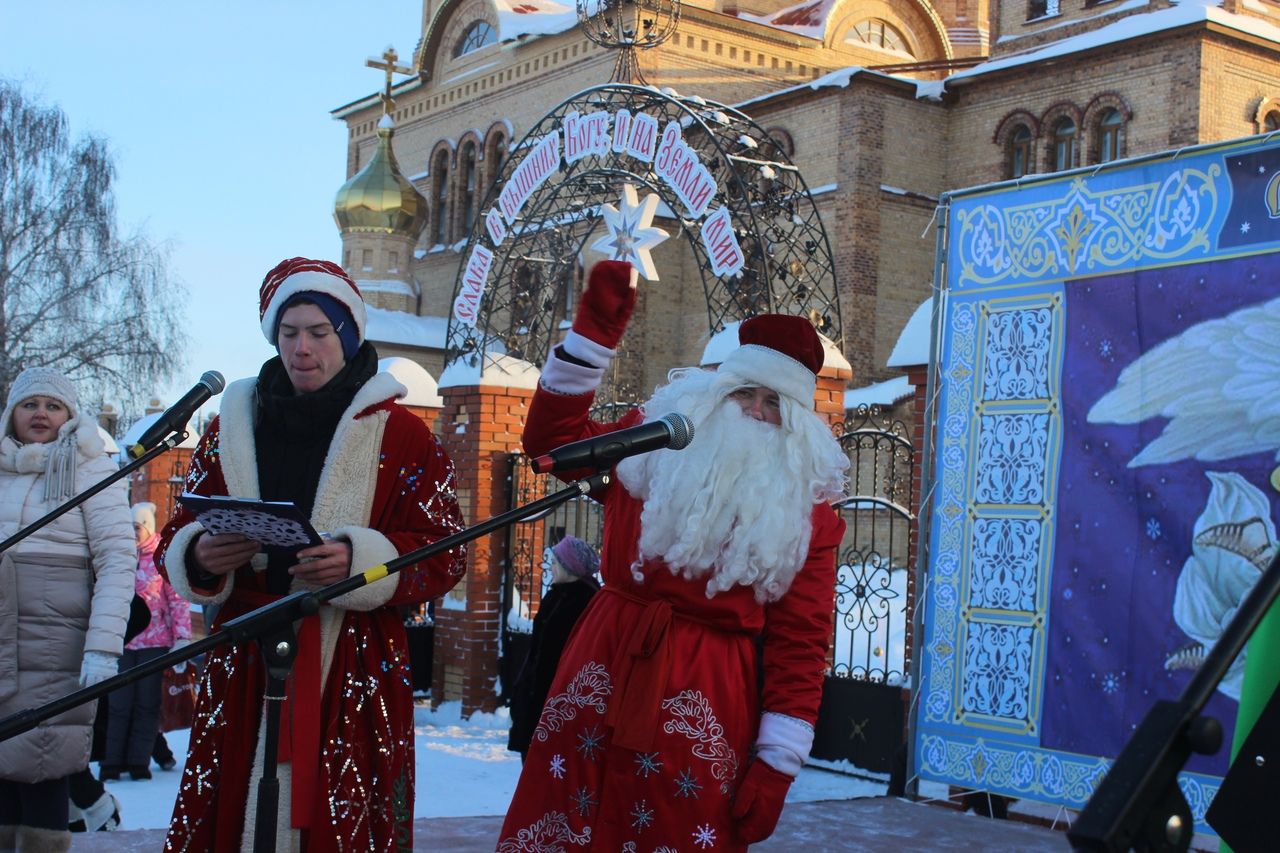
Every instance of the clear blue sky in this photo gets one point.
(218, 116)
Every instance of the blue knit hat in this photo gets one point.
(337, 313)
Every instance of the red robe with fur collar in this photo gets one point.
(650, 720)
(387, 488)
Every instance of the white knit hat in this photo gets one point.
(38, 382)
(144, 513)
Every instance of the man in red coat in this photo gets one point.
(319, 426)
(684, 704)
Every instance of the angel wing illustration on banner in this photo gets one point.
(1218, 384)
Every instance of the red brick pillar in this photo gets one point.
(918, 376)
(160, 481)
(829, 401)
(479, 426)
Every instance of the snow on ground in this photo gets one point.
(464, 770)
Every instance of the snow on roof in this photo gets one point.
(503, 371)
(384, 285)
(840, 79)
(808, 18)
(726, 341)
(144, 423)
(400, 327)
(912, 348)
(1180, 14)
(533, 17)
(423, 390)
(879, 394)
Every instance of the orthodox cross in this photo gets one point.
(388, 64)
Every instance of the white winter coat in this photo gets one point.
(64, 589)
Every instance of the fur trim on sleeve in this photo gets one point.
(369, 548)
(784, 742)
(176, 562)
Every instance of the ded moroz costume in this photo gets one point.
(370, 474)
(685, 701)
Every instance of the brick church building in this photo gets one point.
(882, 106)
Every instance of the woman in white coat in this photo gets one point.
(64, 598)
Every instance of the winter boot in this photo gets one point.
(8, 838)
(102, 814)
(32, 839)
(110, 772)
(138, 772)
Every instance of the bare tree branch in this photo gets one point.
(76, 293)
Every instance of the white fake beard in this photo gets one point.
(735, 504)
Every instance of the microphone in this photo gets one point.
(177, 415)
(673, 431)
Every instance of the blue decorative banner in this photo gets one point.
(1106, 477)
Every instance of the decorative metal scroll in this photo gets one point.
(511, 295)
(874, 588)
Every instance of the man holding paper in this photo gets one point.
(320, 427)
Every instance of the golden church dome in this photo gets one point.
(378, 198)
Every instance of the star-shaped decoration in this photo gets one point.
(631, 234)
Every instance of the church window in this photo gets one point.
(393, 262)
(1020, 151)
(366, 260)
(1043, 9)
(1064, 144)
(467, 181)
(440, 213)
(478, 35)
(1109, 127)
(876, 33)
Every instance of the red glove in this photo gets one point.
(758, 803)
(607, 304)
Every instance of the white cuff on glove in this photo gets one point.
(98, 666)
(784, 742)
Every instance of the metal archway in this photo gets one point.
(788, 265)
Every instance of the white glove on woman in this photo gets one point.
(98, 666)
(181, 666)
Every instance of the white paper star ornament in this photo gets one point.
(631, 235)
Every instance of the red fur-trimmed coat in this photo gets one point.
(387, 488)
(672, 673)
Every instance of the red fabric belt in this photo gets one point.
(299, 715)
(642, 670)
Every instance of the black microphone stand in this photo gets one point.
(273, 627)
(174, 439)
(1139, 805)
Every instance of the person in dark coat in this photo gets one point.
(573, 582)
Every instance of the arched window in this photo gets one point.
(478, 35)
(874, 32)
(1109, 126)
(1064, 144)
(467, 183)
(440, 208)
(1271, 122)
(780, 140)
(1020, 151)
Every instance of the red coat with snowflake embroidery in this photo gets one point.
(650, 720)
(347, 727)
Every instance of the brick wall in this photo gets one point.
(481, 426)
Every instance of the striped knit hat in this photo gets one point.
(302, 275)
